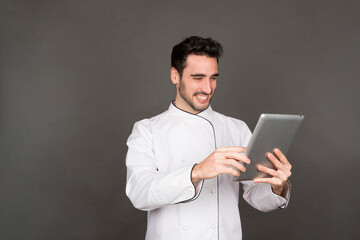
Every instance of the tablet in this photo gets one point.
(271, 131)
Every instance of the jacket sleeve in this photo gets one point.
(146, 187)
(261, 196)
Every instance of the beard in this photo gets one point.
(190, 100)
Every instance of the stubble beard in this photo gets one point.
(189, 100)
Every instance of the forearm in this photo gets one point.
(149, 190)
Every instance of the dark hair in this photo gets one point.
(194, 45)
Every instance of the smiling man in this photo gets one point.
(180, 163)
(197, 83)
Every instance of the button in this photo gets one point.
(213, 226)
(212, 191)
(185, 228)
(182, 160)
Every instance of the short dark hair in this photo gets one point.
(194, 45)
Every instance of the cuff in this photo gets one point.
(286, 196)
(197, 189)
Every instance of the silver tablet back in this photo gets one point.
(271, 131)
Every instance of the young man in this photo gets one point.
(180, 163)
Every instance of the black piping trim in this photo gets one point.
(195, 114)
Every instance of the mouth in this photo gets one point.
(202, 98)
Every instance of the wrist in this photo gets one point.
(195, 175)
(281, 190)
(277, 191)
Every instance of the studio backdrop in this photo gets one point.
(76, 75)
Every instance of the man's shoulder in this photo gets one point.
(153, 120)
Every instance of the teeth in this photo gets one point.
(202, 97)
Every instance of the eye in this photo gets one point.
(197, 78)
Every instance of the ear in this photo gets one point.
(174, 75)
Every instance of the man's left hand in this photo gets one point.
(280, 175)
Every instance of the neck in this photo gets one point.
(181, 104)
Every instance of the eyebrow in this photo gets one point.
(203, 75)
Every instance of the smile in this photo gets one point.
(202, 97)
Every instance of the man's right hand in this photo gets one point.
(220, 161)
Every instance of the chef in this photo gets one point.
(180, 163)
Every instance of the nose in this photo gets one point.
(207, 88)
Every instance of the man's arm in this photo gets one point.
(146, 187)
(222, 160)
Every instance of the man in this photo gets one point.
(180, 163)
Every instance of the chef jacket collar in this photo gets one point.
(206, 114)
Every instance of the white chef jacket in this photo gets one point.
(161, 154)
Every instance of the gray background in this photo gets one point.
(76, 75)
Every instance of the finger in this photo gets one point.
(283, 170)
(237, 156)
(282, 158)
(282, 176)
(234, 163)
(272, 181)
(232, 149)
(229, 170)
(267, 170)
(275, 161)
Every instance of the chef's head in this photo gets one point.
(194, 70)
